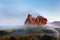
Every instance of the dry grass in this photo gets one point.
(28, 37)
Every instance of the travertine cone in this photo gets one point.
(39, 20)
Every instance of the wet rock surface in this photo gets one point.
(39, 20)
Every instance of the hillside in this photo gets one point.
(55, 23)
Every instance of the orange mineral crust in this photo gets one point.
(38, 21)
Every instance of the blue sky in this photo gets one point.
(14, 12)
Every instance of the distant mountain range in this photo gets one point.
(55, 23)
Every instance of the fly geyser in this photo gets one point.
(38, 21)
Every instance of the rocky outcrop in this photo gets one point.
(39, 20)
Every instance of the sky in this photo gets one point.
(14, 12)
